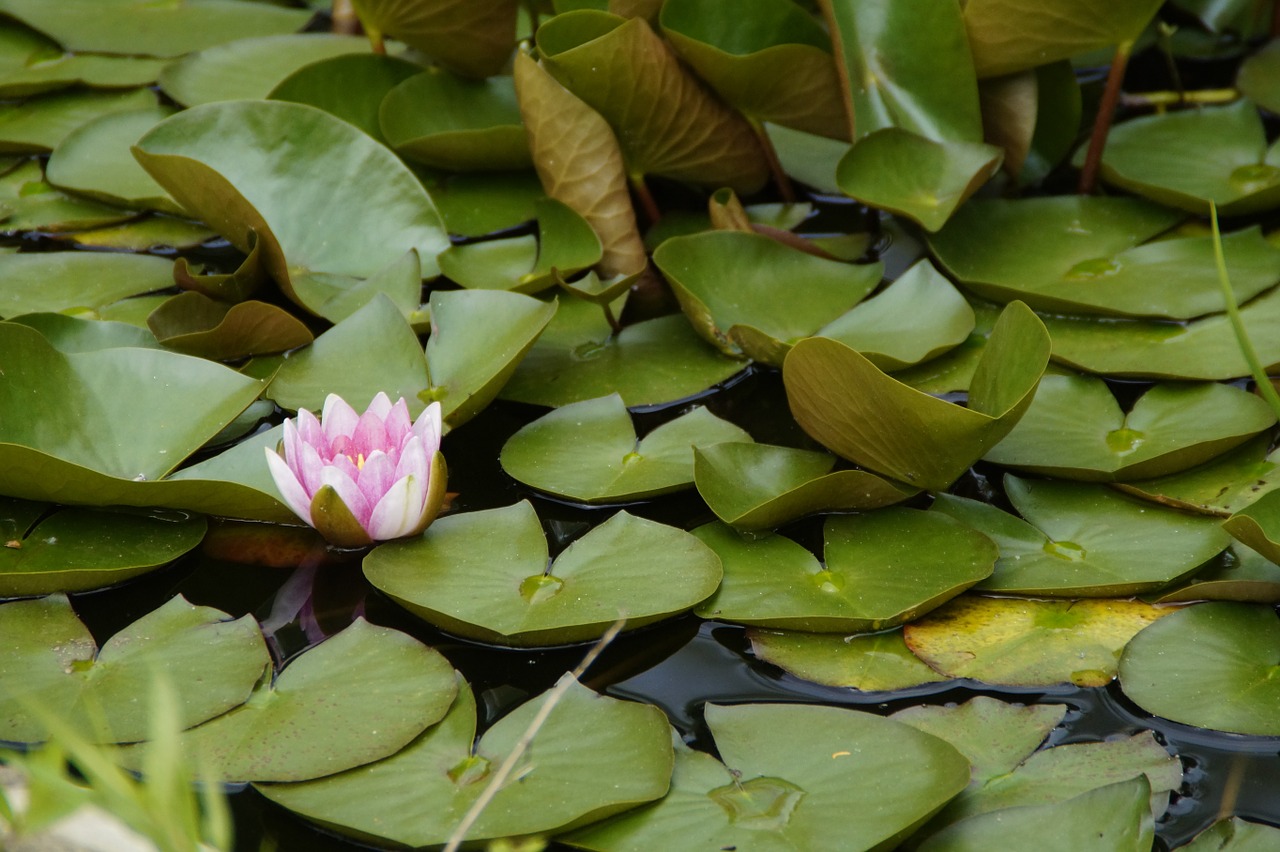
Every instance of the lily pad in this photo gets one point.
(39, 124)
(394, 688)
(472, 37)
(791, 775)
(1220, 487)
(250, 67)
(807, 157)
(1189, 158)
(918, 317)
(72, 334)
(913, 176)
(1211, 665)
(1234, 835)
(94, 161)
(871, 662)
(477, 342)
(418, 796)
(504, 590)
(1090, 255)
(30, 64)
(350, 86)
(477, 203)
(588, 451)
(53, 667)
(47, 549)
(881, 569)
(759, 486)
(150, 29)
(62, 281)
(1086, 540)
(953, 371)
(1075, 429)
(1258, 526)
(194, 324)
(226, 161)
(578, 357)
(1012, 642)
(733, 287)
(33, 204)
(450, 122)
(1240, 574)
(845, 402)
(146, 234)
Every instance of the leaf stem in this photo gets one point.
(526, 739)
(650, 207)
(1102, 121)
(1260, 377)
(780, 177)
(612, 320)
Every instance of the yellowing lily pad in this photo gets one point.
(53, 667)
(589, 451)
(1012, 642)
(870, 662)
(504, 590)
(881, 569)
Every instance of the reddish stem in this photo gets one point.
(1102, 121)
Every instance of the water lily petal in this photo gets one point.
(337, 417)
(309, 466)
(309, 430)
(398, 423)
(398, 512)
(369, 435)
(376, 476)
(349, 493)
(379, 406)
(346, 465)
(413, 461)
(428, 427)
(289, 486)
(290, 442)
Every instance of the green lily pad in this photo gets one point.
(39, 124)
(737, 49)
(70, 334)
(373, 350)
(666, 123)
(1203, 349)
(1240, 574)
(394, 687)
(350, 86)
(906, 65)
(914, 176)
(477, 342)
(578, 357)
(504, 590)
(52, 667)
(30, 64)
(1075, 429)
(807, 157)
(733, 286)
(1235, 835)
(224, 162)
(33, 204)
(146, 234)
(94, 161)
(1219, 487)
(126, 413)
(1212, 665)
(1258, 526)
(758, 486)
(418, 796)
(1012, 642)
(1187, 159)
(588, 451)
(881, 569)
(1115, 816)
(1257, 78)
(194, 324)
(336, 297)
(250, 67)
(954, 370)
(1083, 255)
(450, 122)
(918, 317)
(1086, 540)
(62, 281)
(72, 550)
(477, 203)
(791, 776)
(871, 662)
(473, 38)
(248, 279)
(846, 403)
(151, 29)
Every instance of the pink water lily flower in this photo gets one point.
(361, 478)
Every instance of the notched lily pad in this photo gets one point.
(881, 569)
(505, 590)
(1011, 642)
(589, 451)
(418, 796)
(870, 662)
(51, 667)
(759, 486)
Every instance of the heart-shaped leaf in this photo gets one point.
(504, 589)
(881, 569)
(589, 451)
(52, 668)
(1086, 540)
(394, 688)
(851, 407)
(418, 796)
(1075, 429)
(1211, 665)
(1013, 642)
(870, 662)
